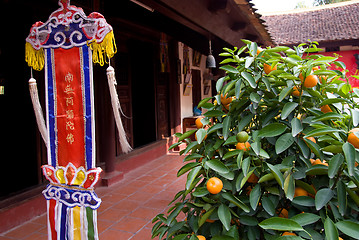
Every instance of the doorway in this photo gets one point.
(142, 60)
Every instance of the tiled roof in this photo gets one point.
(335, 22)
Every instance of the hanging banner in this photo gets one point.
(66, 46)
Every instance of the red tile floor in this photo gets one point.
(128, 206)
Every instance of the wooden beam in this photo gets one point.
(237, 26)
(216, 5)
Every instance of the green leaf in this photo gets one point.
(322, 131)
(219, 83)
(214, 113)
(328, 116)
(334, 165)
(238, 88)
(330, 230)
(229, 68)
(349, 153)
(187, 167)
(200, 192)
(318, 169)
(203, 101)
(231, 154)
(226, 126)
(324, 73)
(333, 148)
(244, 122)
(349, 228)
(214, 128)
(272, 130)
(342, 197)
(235, 201)
(305, 218)
(186, 134)
(287, 109)
(285, 92)
(277, 174)
(192, 175)
(355, 116)
(248, 62)
(205, 216)
(181, 237)
(225, 216)
(323, 60)
(283, 142)
(304, 201)
(217, 166)
(289, 187)
(268, 205)
(334, 100)
(254, 196)
(255, 97)
(322, 197)
(280, 224)
(201, 134)
(296, 126)
(278, 49)
(222, 238)
(249, 78)
(231, 140)
(315, 148)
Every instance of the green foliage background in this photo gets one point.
(278, 124)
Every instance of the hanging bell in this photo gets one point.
(210, 62)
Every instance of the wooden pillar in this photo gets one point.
(174, 89)
(105, 123)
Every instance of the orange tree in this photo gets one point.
(298, 177)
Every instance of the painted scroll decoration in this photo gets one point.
(65, 46)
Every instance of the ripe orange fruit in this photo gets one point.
(243, 146)
(253, 178)
(198, 122)
(325, 109)
(200, 237)
(289, 234)
(300, 192)
(352, 138)
(317, 161)
(311, 139)
(323, 79)
(340, 238)
(268, 68)
(310, 81)
(214, 185)
(225, 100)
(315, 68)
(283, 213)
(296, 92)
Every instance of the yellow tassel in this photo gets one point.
(34, 58)
(105, 48)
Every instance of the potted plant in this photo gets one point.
(275, 156)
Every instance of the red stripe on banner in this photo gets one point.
(69, 102)
(51, 218)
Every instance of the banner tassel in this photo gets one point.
(37, 109)
(116, 106)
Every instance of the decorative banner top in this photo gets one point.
(69, 27)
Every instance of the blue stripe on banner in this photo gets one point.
(88, 106)
(64, 221)
(51, 106)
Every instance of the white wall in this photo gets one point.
(186, 101)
